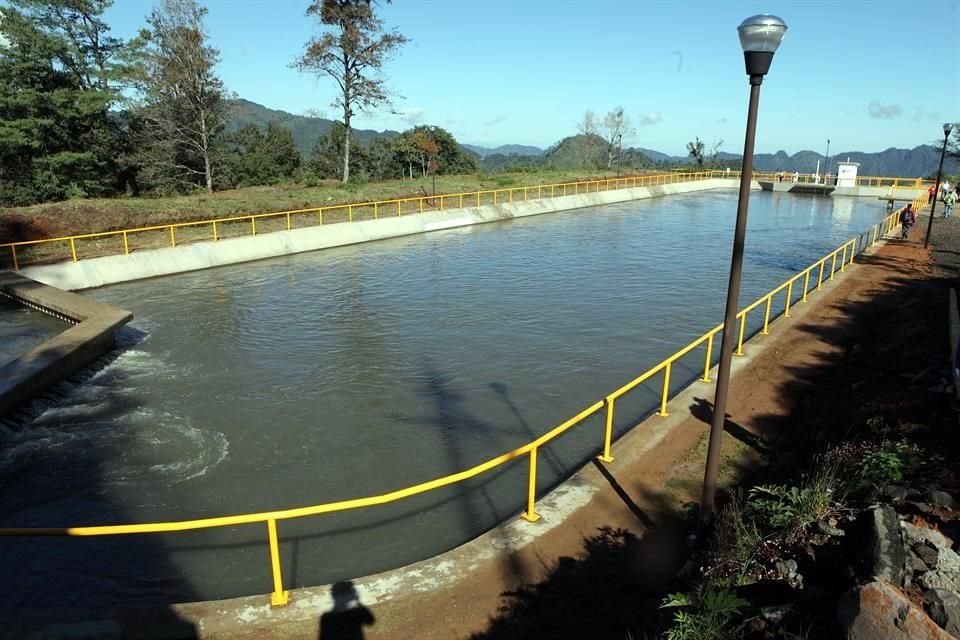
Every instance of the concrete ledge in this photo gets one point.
(45, 365)
(98, 272)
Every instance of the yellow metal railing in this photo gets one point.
(212, 229)
(124, 240)
(838, 261)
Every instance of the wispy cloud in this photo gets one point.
(721, 121)
(411, 115)
(497, 119)
(922, 115)
(649, 118)
(881, 111)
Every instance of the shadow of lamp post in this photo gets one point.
(947, 128)
(759, 36)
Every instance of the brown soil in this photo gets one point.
(603, 572)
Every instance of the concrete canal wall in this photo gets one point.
(97, 272)
(89, 338)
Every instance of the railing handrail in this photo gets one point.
(629, 181)
(279, 596)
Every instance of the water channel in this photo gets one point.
(354, 371)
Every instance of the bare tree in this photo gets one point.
(185, 108)
(588, 126)
(352, 53)
(616, 127)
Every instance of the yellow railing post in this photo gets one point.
(279, 597)
(843, 258)
(666, 391)
(441, 203)
(13, 252)
(766, 316)
(510, 195)
(173, 236)
(398, 206)
(320, 215)
(478, 198)
(421, 205)
(743, 326)
(786, 309)
(376, 211)
(126, 246)
(820, 275)
(349, 213)
(539, 192)
(607, 431)
(833, 264)
(253, 225)
(854, 248)
(215, 238)
(706, 360)
(806, 284)
(530, 515)
(494, 196)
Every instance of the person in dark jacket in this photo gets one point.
(907, 219)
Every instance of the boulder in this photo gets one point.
(944, 609)
(880, 611)
(913, 534)
(940, 498)
(886, 555)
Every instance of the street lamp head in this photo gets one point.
(759, 37)
(947, 128)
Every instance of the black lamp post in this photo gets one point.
(947, 128)
(826, 165)
(759, 36)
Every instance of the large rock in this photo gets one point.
(886, 556)
(914, 534)
(880, 611)
(945, 610)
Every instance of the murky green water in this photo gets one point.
(358, 370)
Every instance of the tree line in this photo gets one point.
(87, 114)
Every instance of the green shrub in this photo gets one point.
(734, 543)
(704, 614)
(791, 508)
(890, 463)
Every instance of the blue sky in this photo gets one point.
(867, 74)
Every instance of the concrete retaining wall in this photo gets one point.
(45, 365)
(203, 255)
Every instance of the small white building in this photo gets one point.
(847, 173)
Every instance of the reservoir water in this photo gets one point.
(354, 371)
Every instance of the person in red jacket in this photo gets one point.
(907, 219)
(931, 194)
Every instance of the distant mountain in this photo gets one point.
(504, 150)
(920, 161)
(306, 129)
(590, 152)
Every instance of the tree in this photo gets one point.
(588, 126)
(616, 127)
(434, 149)
(352, 53)
(325, 157)
(184, 101)
(60, 74)
(255, 157)
(695, 151)
(379, 159)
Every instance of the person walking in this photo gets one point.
(948, 199)
(907, 219)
